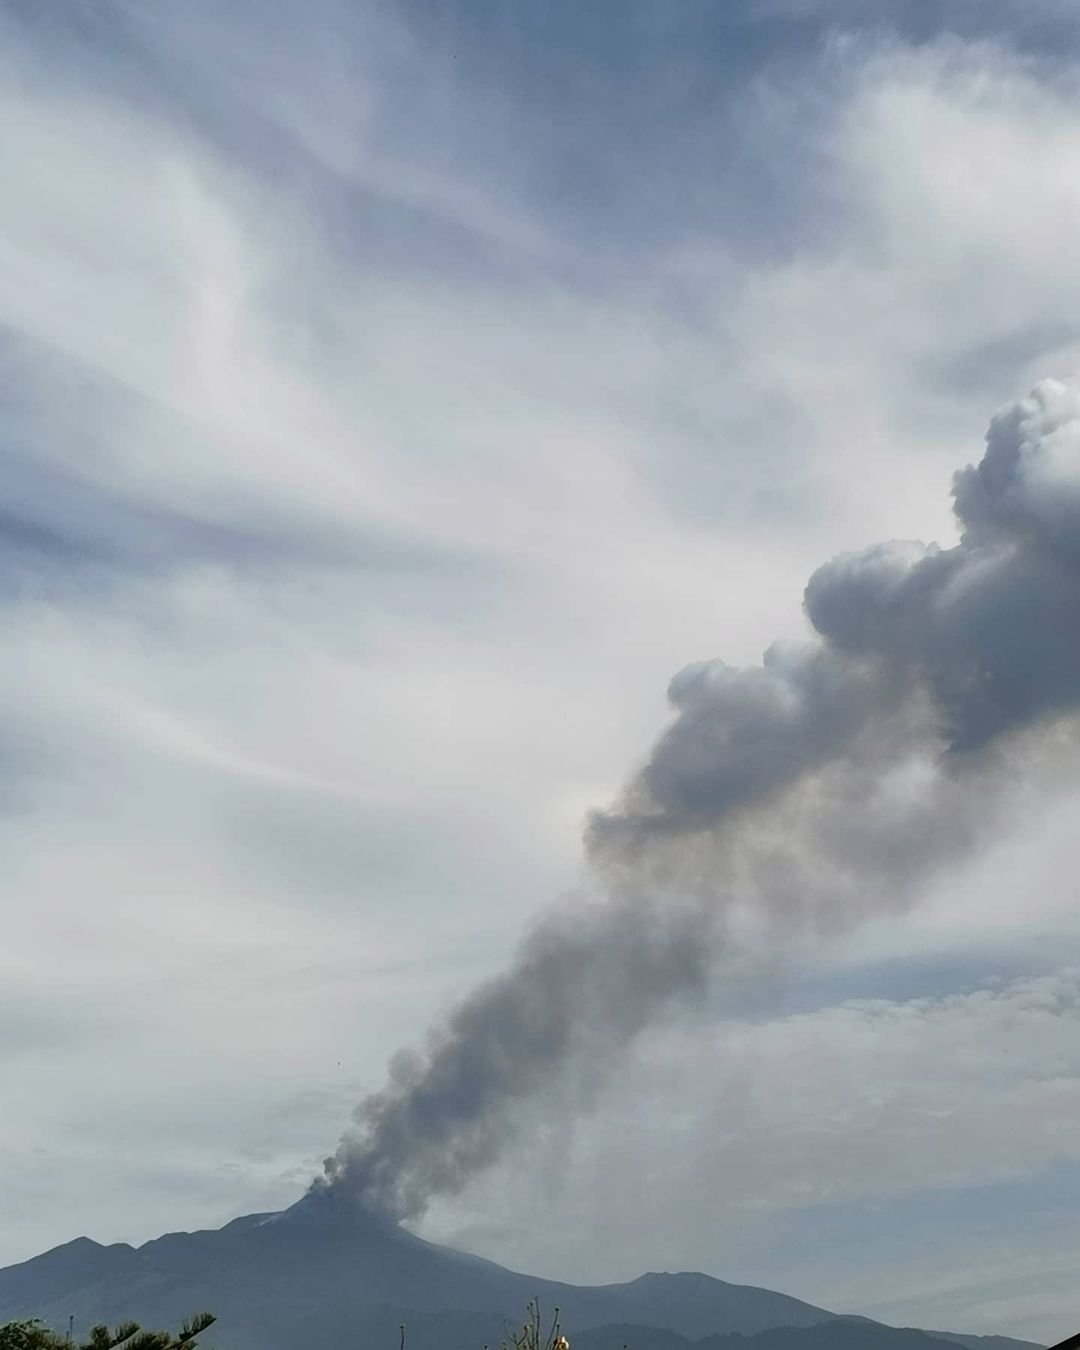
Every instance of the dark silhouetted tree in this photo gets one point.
(34, 1335)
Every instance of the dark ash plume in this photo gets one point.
(827, 784)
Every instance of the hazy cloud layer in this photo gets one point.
(390, 402)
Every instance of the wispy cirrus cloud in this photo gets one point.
(390, 406)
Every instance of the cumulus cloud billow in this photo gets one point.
(991, 625)
(803, 794)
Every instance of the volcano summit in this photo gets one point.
(325, 1272)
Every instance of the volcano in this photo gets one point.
(325, 1273)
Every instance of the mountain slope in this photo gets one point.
(323, 1274)
(837, 1333)
(984, 1342)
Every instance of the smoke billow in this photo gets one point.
(825, 785)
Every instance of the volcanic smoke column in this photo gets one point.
(800, 795)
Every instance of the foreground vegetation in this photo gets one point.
(532, 1335)
(34, 1335)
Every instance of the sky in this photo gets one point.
(393, 398)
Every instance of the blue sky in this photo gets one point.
(393, 397)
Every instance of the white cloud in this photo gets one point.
(507, 508)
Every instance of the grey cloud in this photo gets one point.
(582, 986)
(58, 528)
(992, 625)
(61, 531)
(68, 523)
(741, 734)
(824, 785)
(1025, 485)
(35, 1022)
(997, 362)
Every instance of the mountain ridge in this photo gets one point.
(319, 1273)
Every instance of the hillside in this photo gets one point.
(838, 1333)
(320, 1274)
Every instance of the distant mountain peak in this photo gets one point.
(75, 1245)
(327, 1207)
(328, 1271)
(684, 1277)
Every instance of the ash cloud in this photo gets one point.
(800, 796)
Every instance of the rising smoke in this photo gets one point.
(823, 786)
